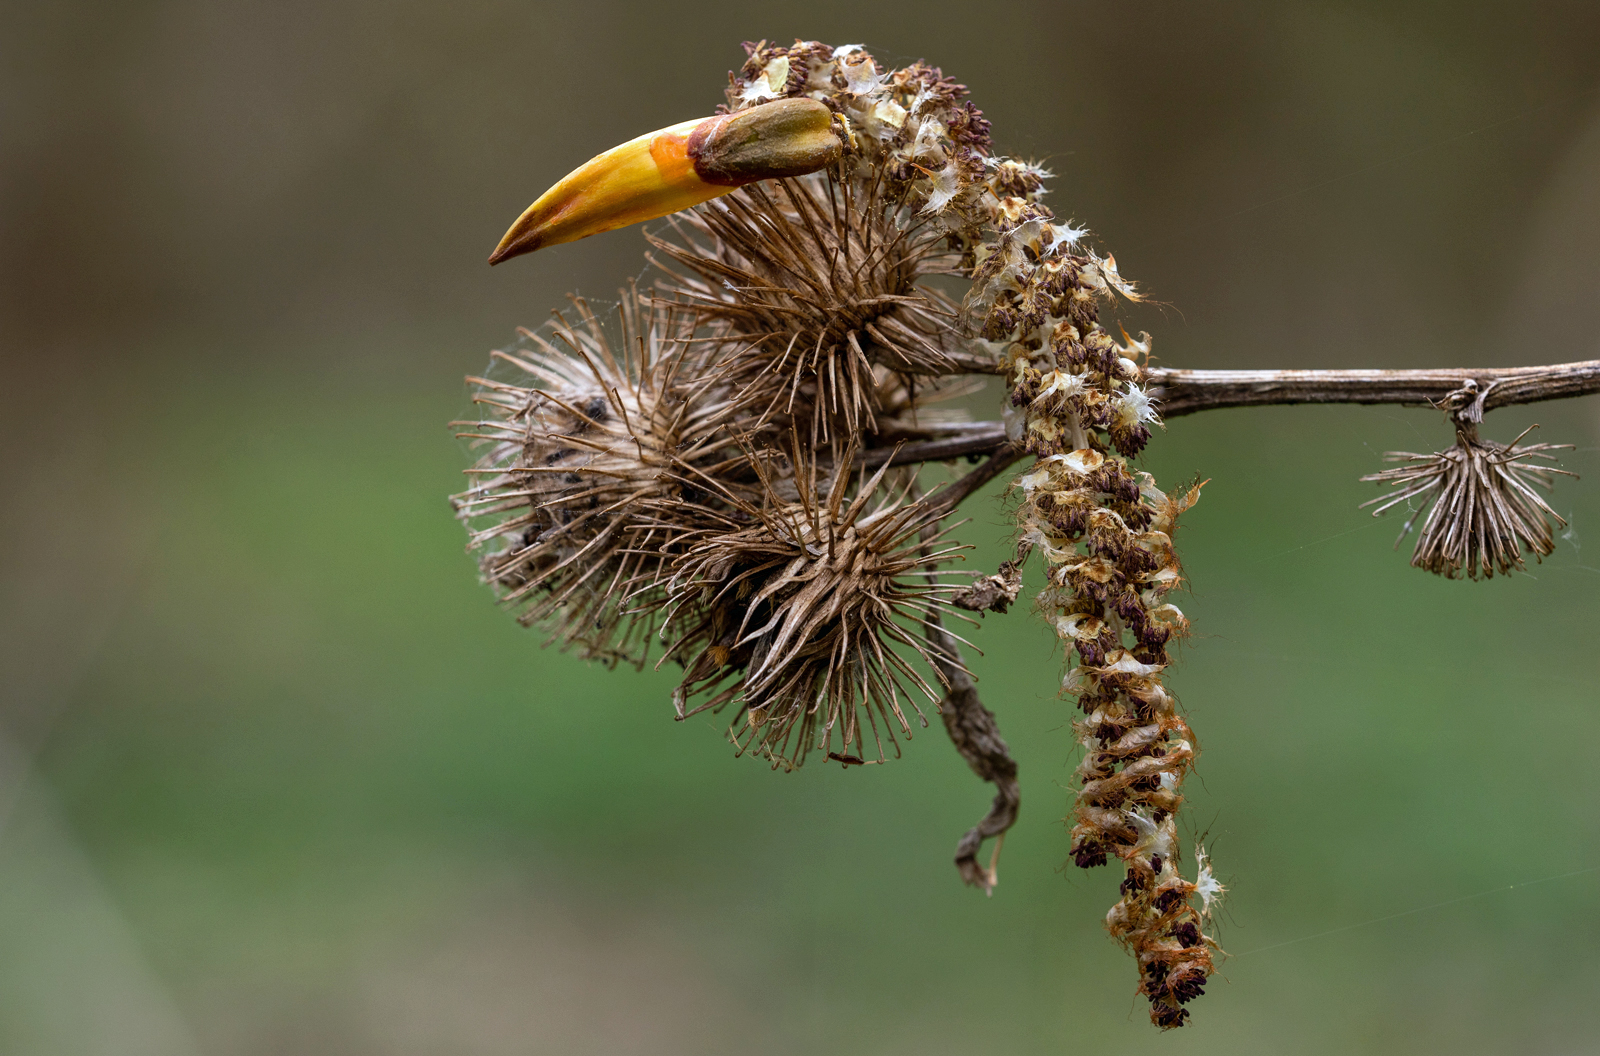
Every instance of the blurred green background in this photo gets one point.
(276, 775)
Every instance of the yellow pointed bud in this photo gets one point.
(674, 168)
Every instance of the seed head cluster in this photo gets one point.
(713, 476)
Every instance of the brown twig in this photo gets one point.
(969, 363)
(1180, 392)
(980, 438)
(1002, 459)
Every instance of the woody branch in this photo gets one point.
(1180, 392)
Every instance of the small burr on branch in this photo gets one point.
(723, 475)
(1482, 509)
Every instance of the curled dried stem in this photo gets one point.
(976, 735)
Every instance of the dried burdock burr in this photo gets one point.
(808, 612)
(582, 442)
(1477, 498)
(725, 472)
(816, 283)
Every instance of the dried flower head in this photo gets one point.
(581, 446)
(1477, 499)
(805, 610)
(813, 290)
(816, 281)
(1078, 401)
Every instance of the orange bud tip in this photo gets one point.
(675, 168)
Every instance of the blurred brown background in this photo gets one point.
(278, 778)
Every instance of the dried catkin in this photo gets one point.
(1105, 533)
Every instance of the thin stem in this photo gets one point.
(980, 438)
(1181, 392)
(1002, 459)
(977, 737)
(957, 362)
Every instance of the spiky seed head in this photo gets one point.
(813, 290)
(1477, 499)
(808, 618)
(817, 281)
(582, 442)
